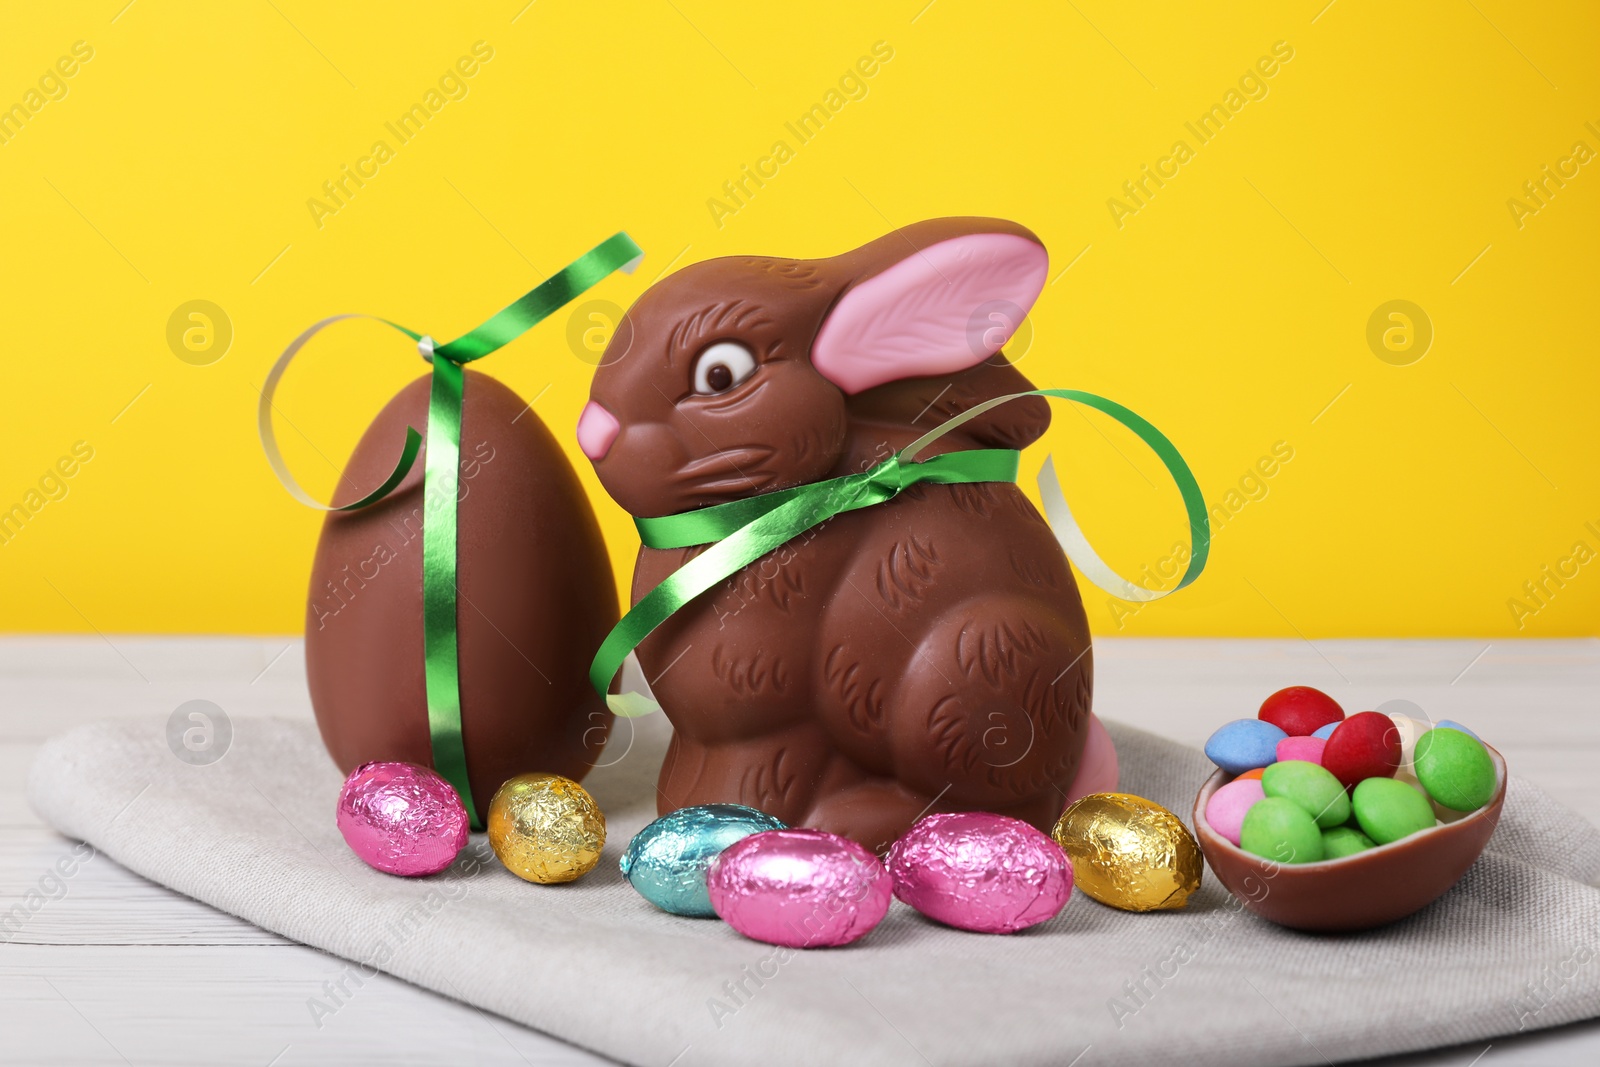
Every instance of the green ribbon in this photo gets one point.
(743, 531)
(441, 473)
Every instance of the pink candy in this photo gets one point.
(980, 871)
(1226, 809)
(401, 818)
(1301, 748)
(799, 888)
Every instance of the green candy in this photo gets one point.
(1344, 841)
(1388, 810)
(1455, 769)
(1311, 786)
(1279, 829)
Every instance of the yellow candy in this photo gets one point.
(546, 828)
(1129, 852)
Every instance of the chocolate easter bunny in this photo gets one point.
(926, 654)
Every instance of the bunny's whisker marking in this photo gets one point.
(720, 451)
(719, 486)
(719, 463)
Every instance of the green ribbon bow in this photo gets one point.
(441, 472)
(743, 531)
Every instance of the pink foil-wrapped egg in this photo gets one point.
(980, 871)
(799, 888)
(402, 818)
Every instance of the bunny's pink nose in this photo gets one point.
(597, 428)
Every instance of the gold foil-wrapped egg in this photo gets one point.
(1129, 852)
(546, 828)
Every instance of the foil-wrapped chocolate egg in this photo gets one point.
(1129, 852)
(667, 860)
(546, 828)
(401, 818)
(799, 888)
(980, 871)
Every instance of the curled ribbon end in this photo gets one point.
(441, 663)
(631, 705)
(742, 531)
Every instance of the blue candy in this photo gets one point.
(1244, 744)
(1451, 724)
(667, 860)
(1326, 732)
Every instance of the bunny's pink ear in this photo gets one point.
(941, 310)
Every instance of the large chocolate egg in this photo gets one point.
(536, 597)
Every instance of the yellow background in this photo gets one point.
(1231, 310)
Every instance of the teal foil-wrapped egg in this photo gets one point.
(667, 860)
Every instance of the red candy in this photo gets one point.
(1366, 745)
(1300, 710)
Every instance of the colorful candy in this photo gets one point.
(1451, 724)
(1308, 749)
(1244, 743)
(401, 818)
(1300, 710)
(1344, 786)
(1366, 745)
(1455, 769)
(1279, 829)
(1226, 809)
(1388, 810)
(1409, 729)
(799, 888)
(1342, 841)
(1129, 852)
(546, 828)
(1318, 793)
(980, 871)
(667, 860)
(1409, 777)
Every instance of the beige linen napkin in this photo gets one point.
(1511, 947)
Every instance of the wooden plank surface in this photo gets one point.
(116, 970)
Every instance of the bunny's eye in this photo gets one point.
(722, 366)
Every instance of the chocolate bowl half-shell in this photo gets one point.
(1371, 888)
(536, 597)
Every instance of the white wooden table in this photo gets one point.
(116, 970)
